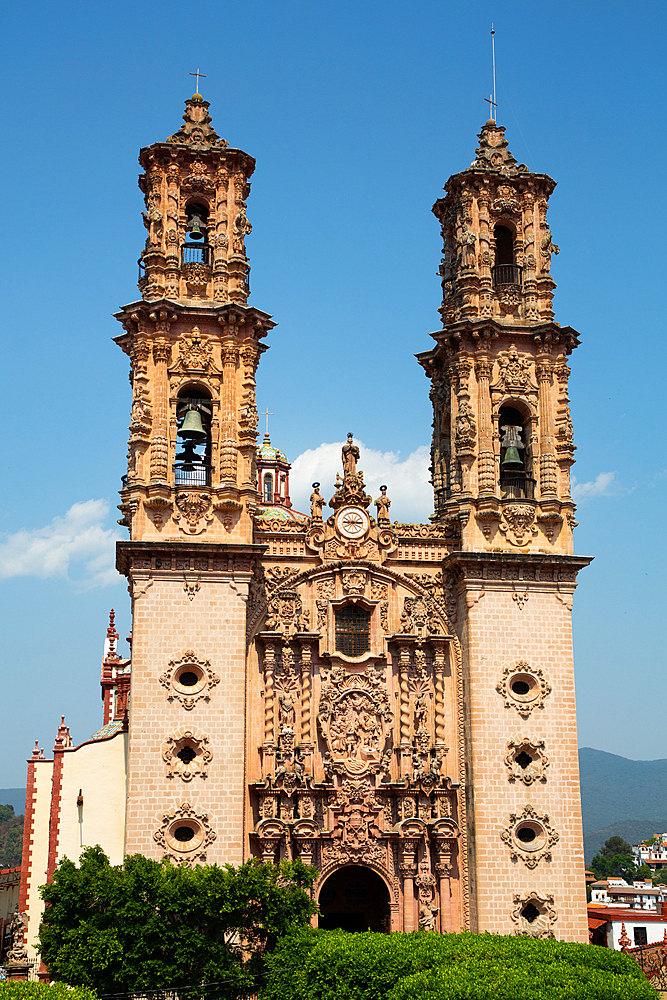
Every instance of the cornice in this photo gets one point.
(487, 567)
(127, 552)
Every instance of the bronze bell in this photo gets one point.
(192, 428)
(512, 459)
(197, 229)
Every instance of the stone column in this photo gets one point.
(439, 678)
(408, 869)
(404, 725)
(443, 868)
(160, 435)
(548, 468)
(486, 466)
(269, 699)
(228, 429)
(306, 670)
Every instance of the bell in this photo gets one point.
(192, 429)
(512, 459)
(196, 231)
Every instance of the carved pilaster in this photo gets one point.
(548, 468)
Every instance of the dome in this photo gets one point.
(267, 453)
(270, 512)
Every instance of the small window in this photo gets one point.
(640, 935)
(352, 631)
(268, 488)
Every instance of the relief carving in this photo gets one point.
(170, 835)
(354, 718)
(523, 687)
(195, 509)
(529, 837)
(517, 523)
(534, 915)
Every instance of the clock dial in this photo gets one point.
(352, 522)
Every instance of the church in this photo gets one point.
(391, 702)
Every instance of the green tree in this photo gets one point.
(147, 925)
(11, 838)
(615, 859)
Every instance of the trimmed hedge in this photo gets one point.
(44, 991)
(334, 965)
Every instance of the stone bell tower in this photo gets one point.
(189, 493)
(501, 455)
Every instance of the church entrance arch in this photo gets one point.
(354, 898)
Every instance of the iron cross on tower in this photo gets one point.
(198, 74)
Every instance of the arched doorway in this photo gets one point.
(355, 899)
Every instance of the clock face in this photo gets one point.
(352, 522)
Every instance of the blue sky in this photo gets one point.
(357, 113)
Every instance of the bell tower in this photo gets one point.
(502, 434)
(190, 491)
(501, 454)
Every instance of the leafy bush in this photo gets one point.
(333, 965)
(44, 991)
(147, 925)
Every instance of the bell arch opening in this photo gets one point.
(193, 413)
(354, 898)
(516, 479)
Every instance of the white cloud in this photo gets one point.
(603, 485)
(77, 540)
(407, 481)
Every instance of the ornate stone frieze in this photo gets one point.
(526, 760)
(529, 837)
(194, 511)
(354, 837)
(189, 680)
(515, 373)
(518, 523)
(195, 354)
(523, 687)
(286, 613)
(184, 835)
(534, 915)
(187, 754)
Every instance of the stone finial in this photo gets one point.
(493, 152)
(197, 130)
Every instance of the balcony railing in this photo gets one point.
(507, 274)
(197, 253)
(189, 474)
(517, 487)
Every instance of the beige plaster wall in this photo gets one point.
(99, 770)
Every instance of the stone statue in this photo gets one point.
(350, 455)
(316, 503)
(17, 953)
(287, 713)
(427, 915)
(383, 503)
(420, 711)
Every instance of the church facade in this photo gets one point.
(391, 702)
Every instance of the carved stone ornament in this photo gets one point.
(189, 680)
(529, 837)
(355, 834)
(354, 718)
(517, 523)
(354, 582)
(17, 954)
(514, 373)
(195, 354)
(466, 430)
(194, 512)
(286, 613)
(187, 754)
(184, 835)
(534, 915)
(419, 618)
(526, 760)
(523, 687)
